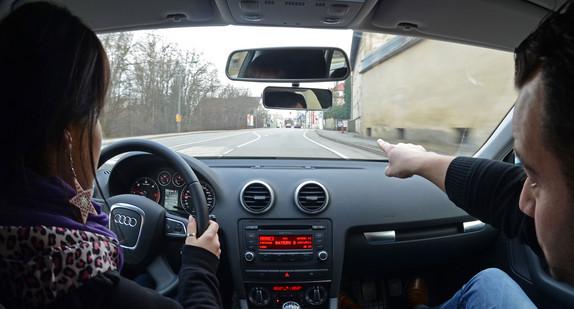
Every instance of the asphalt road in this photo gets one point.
(266, 142)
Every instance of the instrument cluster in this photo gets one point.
(169, 189)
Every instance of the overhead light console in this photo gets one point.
(295, 13)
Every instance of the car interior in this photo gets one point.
(306, 227)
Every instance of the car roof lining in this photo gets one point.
(508, 23)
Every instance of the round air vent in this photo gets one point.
(311, 197)
(257, 197)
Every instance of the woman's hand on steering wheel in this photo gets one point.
(209, 240)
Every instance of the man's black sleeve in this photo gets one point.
(490, 191)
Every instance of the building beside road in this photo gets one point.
(405, 88)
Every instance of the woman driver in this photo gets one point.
(55, 249)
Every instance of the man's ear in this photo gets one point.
(527, 202)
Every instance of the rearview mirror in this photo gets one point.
(302, 64)
(297, 98)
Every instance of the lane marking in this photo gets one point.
(115, 159)
(207, 140)
(331, 150)
(244, 144)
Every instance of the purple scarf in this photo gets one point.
(28, 199)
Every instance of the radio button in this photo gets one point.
(294, 257)
(251, 227)
(264, 257)
(318, 227)
(249, 256)
(300, 275)
(251, 244)
(319, 241)
(311, 274)
(275, 274)
(321, 274)
(308, 256)
(323, 255)
(256, 274)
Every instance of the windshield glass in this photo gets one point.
(170, 86)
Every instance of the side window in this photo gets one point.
(511, 158)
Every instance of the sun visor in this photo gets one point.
(503, 29)
(132, 14)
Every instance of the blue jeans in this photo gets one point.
(491, 288)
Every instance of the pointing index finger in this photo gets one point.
(383, 145)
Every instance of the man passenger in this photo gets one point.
(534, 202)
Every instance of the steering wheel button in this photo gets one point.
(168, 227)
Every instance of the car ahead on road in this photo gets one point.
(305, 214)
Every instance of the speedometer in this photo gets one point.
(209, 197)
(145, 186)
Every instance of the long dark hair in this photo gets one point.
(53, 73)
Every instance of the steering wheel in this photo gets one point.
(141, 224)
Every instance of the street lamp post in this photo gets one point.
(178, 117)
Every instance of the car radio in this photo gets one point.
(286, 261)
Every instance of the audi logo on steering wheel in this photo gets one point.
(125, 220)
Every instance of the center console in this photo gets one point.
(286, 263)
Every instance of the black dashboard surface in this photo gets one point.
(362, 202)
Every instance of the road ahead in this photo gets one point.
(280, 142)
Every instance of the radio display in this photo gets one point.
(285, 242)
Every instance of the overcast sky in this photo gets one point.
(216, 43)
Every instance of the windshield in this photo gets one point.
(170, 86)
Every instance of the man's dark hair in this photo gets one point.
(550, 51)
(286, 99)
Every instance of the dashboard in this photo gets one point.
(289, 227)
